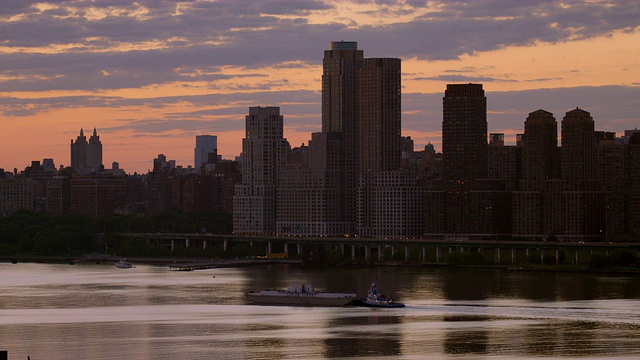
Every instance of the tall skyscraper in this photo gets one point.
(379, 114)
(578, 146)
(264, 154)
(86, 157)
(341, 68)
(205, 145)
(361, 102)
(464, 132)
(540, 148)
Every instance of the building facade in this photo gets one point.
(540, 148)
(264, 154)
(206, 145)
(86, 156)
(464, 132)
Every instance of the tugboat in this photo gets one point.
(301, 295)
(376, 299)
(124, 264)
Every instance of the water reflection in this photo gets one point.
(94, 312)
(372, 335)
(468, 341)
(465, 285)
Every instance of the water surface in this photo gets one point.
(148, 312)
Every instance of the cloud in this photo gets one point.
(463, 79)
(93, 45)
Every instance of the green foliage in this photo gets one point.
(599, 261)
(549, 260)
(618, 258)
(44, 234)
(623, 258)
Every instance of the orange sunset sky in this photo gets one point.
(151, 75)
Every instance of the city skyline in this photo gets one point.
(145, 72)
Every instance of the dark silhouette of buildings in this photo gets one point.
(360, 140)
(464, 132)
(540, 149)
(86, 157)
(360, 177)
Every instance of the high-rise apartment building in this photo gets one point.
(578, 146)
(504, 162)
(360, 135)
(340, 77)
(264, 154)
(540, 148)
(86, 157)
(205, 145)
(379, 112)
(361, 102)
(464, 132)
(634, 186)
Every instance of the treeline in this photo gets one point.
(43, 234)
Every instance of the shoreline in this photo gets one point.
(193, 264)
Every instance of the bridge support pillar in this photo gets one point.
(437, 254)
(286, 248)
(186, 243)
(225, 244)
(204, 244)
(406, 253)
(342, 247)
(497, 255)
(557, 256)
(424, 254)
(173, 244)
(575, 257)
(299, 249)
(393, 251)
(353, 252)
(513, 255)
(367, 253)
(269, 247)
(380, 252)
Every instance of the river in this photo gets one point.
(91, 311)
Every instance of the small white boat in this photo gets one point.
(124, 264)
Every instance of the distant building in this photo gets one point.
(634, 186)
(464, 132)
(162, 164)
(540, 154)
(17, 193)
(94, 196)
(264, 154)
(86, 157)
(504, 162)
(390, 205)
(205, 145)
(310, 200)
(578, 146)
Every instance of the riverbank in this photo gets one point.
(190, 263)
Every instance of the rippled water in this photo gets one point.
(149, 312)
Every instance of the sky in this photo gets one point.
(151, 75)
